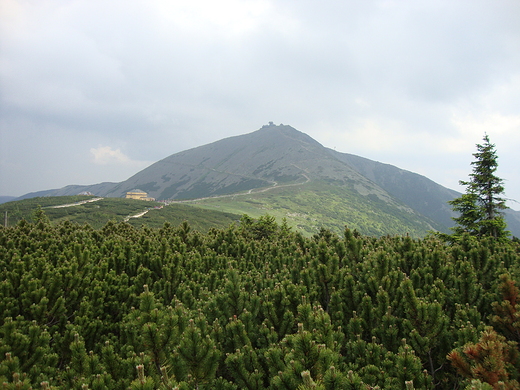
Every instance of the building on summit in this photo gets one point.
(138, 194)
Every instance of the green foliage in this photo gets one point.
(264, 227)
(254, 306)
(480, 207)
(478, 385)
(328, 205)
(98, 213)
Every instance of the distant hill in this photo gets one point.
(4, 199)
(71, 190)
(284, 172)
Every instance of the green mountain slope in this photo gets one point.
(420, 193)
(308, 207)
(346, 189)
(97, 212)
(416, 191)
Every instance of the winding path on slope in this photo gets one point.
(139, 215)
(74, 204)
(251, 191)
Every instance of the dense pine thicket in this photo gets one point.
(253, 307)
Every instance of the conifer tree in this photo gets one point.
(221, 311)
(491, 360)
(427, 324)
(196, 358)
(480, 207)
(507, 312)
(298, 353)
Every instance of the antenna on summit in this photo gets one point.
(270, 124)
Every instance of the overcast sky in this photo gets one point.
(96, 90)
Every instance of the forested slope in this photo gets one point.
(250, 307)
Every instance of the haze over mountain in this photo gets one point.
(282, 159)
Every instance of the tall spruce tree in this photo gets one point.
(480, 207)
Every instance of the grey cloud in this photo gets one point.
(129, 75)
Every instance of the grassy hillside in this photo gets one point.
(198, 218)
(306, 207)
(98, 213)
(314, 205)
(418, 192)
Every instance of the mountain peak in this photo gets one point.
(278, 160)
(268, 156)
(280, 128)
(286, 131)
